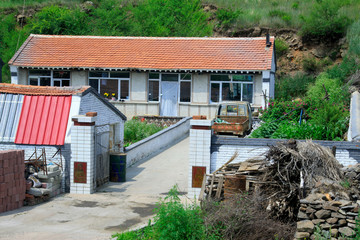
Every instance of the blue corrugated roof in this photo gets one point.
(10, 109)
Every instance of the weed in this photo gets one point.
(281, 48)
(136, 130)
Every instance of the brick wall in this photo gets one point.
(12, 180)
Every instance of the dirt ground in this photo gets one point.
(115, 207)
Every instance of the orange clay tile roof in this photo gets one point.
(145, 53)
(40, 90)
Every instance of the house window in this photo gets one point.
(231, 88)
(184, 85)
(115, 84)
(49, 78)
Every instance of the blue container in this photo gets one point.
(118, 167)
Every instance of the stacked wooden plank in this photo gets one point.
(232, 178)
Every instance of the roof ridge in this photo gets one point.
(40, 90)
(135, 37)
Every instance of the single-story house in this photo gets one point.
(167, 76)
(40, 117)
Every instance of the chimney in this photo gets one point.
(268, 43)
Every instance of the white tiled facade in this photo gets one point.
(199, 150)
(82, 150)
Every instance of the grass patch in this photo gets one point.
(138, 129)
(20, 3)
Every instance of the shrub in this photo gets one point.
(226, 17)
(281, 47)
(136, 130)
(324, 21)
(290, 87)
(353, 38)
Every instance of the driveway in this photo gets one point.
(115, 207)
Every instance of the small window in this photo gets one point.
(99, 74)
(108, 86)
(185, 76)
(124, 93)
(243, 78)
(39, 73)
(153, 90)
(65, 83)
(94, 83)
(185, 91)
(45, 81)
(61, 74)
(247, 94)
(154, 76)
(169, 77)
(119, 75)
(34, 81)
(219, 77)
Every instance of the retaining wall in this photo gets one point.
(159, 141)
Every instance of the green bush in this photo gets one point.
(136, 130)
(281, 48)
(325, 21)
(290, 87)
(227, 17)
(353, 38)
(173, 221)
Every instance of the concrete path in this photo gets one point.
(115, 207)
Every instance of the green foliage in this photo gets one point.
(281, 47)
(173, 221)
(266, 130)
(281, 14)
(290, 87)
(353, 38)
(325, 21)
(227, 17)
(60, 21)
(136, 130)
(343, 70)
(181, 18)
(345, 183)
(288, 130)
(311, 65)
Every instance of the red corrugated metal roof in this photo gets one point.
(43, 120)
(145, 53)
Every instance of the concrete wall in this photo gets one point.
(131, 109)
(23, 76)
(50, 151)
(156, 143)
(222, 148)
(138, 87)
(79, 78)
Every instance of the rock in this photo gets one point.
(302, 215)
(330, 207)
(310, 210)
(302, 235)
(256, 32)
(325, 226)
(322, 214)
(335, 203)
(337, 215)
(351, 221)
(348, 232)
(305, 226)
(317, 221)
(332, 220)
(342, 222)
(342, 212)
(334, 232)
(351, 225)
(345, 202)
(349, 207)
(350, 175)
(351, 214)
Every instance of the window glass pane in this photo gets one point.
(45, 81)
(34, 81)
(232, 110)
(119, 74)
(108, 86)
(57, 83)
(61, 74)
(215, 92)
(65, 83)
(220, 77)
(169, 77)
(153, 90)
(185, 76)
(243, 78)
(231, 91)
(39, 73)
(99, 74)
(154, 76)
(124, 94)
(185, 91)
(94, 83)
(247, 92)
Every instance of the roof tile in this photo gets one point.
(41, 90)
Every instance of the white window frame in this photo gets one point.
(112, 78)
(179, 85)
(51, 76)
(231, 81)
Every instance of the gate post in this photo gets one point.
(199, 154)
(82, 161)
